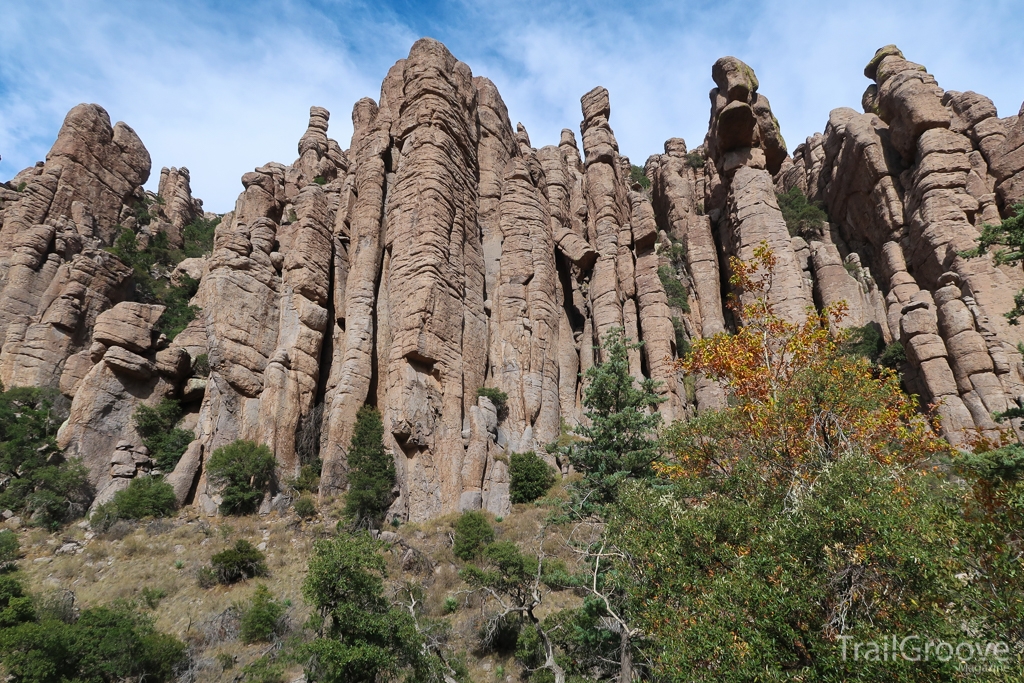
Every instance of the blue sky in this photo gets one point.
(223, 87)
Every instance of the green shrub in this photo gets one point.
(35, 480)
(225, 661)
(155, 289)
(152, 596)
(179, 312)
(320, 180)
(682, 343)
(307, 442)
(243, 561)
(676, 292)
(695, 159)
(803, 218)
(1008, 236)
(677, 253)
(531, 477)
(9, 548)
(156, 426)
(305, 507)
(197, 237)
(245, 470)
(144, 497)
(496, 396)
(308, 479)
(865, 342)
(893, 355)
(15, 606)
(263, 617)
(637, 175)
(472, 533)
(451, 605)
(21, 186)
(266, 669)
(201, 365)
(371, 471)
(206, 577)
(102, 644)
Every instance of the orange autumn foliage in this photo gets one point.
(795, 400)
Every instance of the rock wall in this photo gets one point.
(442, 253)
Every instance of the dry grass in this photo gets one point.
(166, 555)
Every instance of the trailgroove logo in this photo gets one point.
(917, 649)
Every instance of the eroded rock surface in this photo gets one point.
(443, 253)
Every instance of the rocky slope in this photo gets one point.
(442, 253)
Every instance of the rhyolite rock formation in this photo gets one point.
(442, 253)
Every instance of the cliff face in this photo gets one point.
(442, 253)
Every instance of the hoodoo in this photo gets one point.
(442, 260)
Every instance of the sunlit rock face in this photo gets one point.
(442, 253)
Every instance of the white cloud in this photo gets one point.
(224, 90)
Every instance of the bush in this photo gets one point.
(206, 577)
(243, 561)
(676, 292)
(165, 442)
(307, 438)
(308, 479)
(266, 669)
(371, 471)
(472, 533)
(157, 290)
(682, 343)
(305, 507)
(676, 253)
(893, 356)
(695, 159)
(15, 606)
(451, 605)
(179, 312)
(320, 180)
(152, 596)
(262, 618)
(35, 480)
(496, 396)
(9, 548)
(637, 175)
(201, 365)
(531, 477)
(245, 469)
(144, 497)
(864, 342)
(102, 644)
(198, 237)
(803, 218)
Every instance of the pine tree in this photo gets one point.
(618, 438)
(371, 470)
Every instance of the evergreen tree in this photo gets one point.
(1008, 237)
(371, 471)
(246, 470)
(618, 437)
(362, 638)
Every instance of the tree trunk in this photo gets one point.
(549, 653)
(625, 657)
